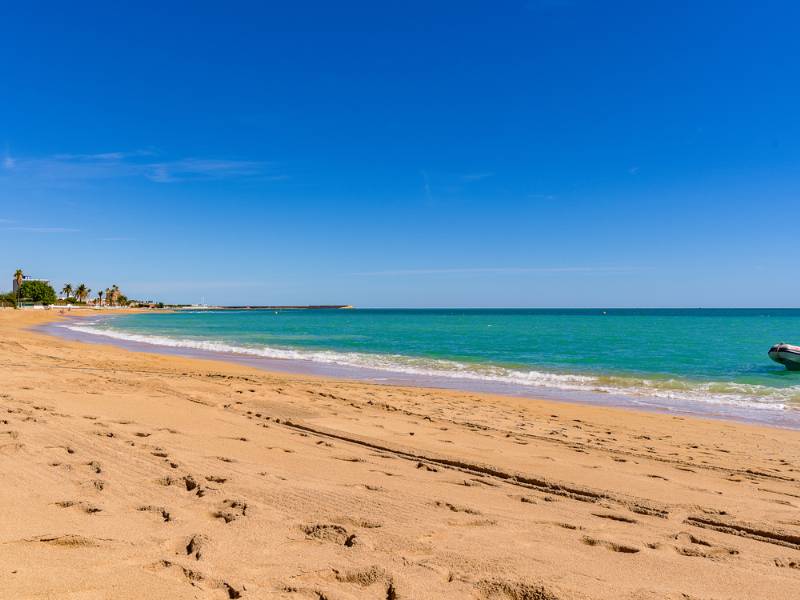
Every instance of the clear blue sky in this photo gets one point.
(515, 153)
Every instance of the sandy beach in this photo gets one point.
(131, 475)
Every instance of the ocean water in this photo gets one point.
(706, 360)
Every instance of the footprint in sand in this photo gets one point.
(230, 510)
(613, 546)
(367, 577)
(195, 545)
(67, 541)
(192, 486)
(456, 508)
(158, 510)
(502, 588)
(89, 509)
(427, 467)
(327, 532)
(352, 459)
(700, 548)
(188, 482)
(198, 579)
(65, 466)
(785, 563)
(387, 473)
(98, 484)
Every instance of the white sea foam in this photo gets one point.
(720, 393)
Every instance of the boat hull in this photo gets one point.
(788, 356)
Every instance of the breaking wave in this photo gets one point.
(740, 395)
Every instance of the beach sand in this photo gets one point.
(130, 475)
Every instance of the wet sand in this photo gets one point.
(130, 475)
(771, 416)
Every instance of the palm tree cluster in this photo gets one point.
(79, 293)
(111, 296)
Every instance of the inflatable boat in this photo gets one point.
(787, 355)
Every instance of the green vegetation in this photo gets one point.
(8, 300)
(29, 290)
(37, 291)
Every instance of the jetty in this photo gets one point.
(309, 307)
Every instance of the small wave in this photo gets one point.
(714, 392)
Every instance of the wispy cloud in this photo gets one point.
(441, 185)
(476, 176)
(43, 229)
(200, 286)
(195, 168)
(502, 270)
(105, 156)
(135, 164)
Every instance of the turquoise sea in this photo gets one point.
(700, 361)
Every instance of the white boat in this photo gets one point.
(201, 306)
(787, 355)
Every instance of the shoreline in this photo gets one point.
(764, 416)
(138, 474)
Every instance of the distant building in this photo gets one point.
(28, 278)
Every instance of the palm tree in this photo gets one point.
(67, 290)
(114, 294)
(18, 277)
(82, 292)
(100, 297)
